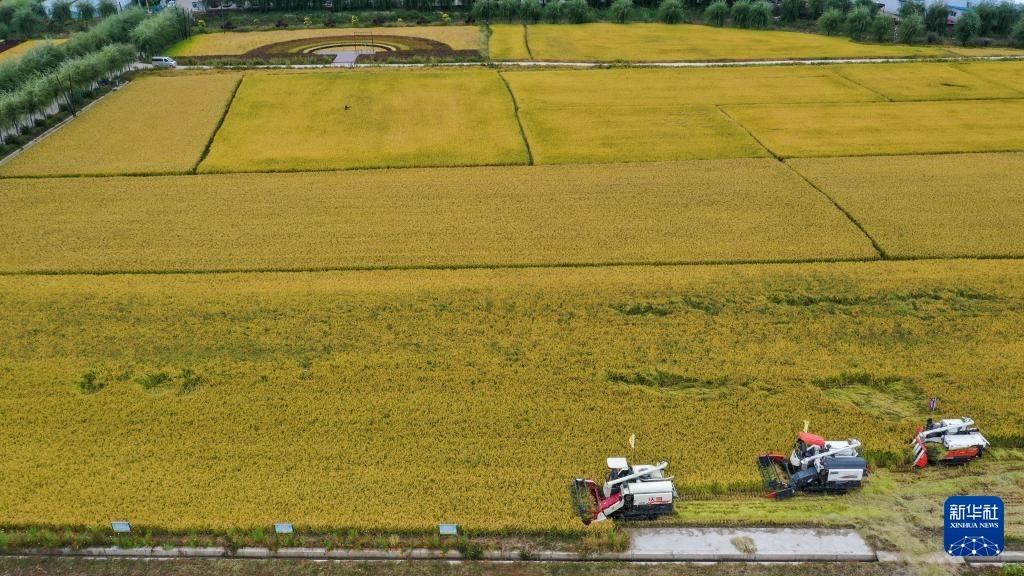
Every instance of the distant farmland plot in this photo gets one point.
(156, 124)
(243, 399)
(629, 87)
(634, 133)
(930, 206)
(738, 210)
(1008, 73)
(604, 42)
(925, 81)
(235, 43)
(886, 127)
(367, 119)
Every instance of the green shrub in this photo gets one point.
(831, 22)
(967, 27)
(843, 6)
(790, 10)
(988, 13)
(1017, 34)
(106, 8)
(741, 13)
(670, 11)
(881, 28)
(936, 18)
(871, 5)
(508, 10)
(911, 7)
(912, 29)
(858, 23)
(760, 15)
(552, 12)
(577, 11)
(717, 13)
(484, 10)
(531, 11)
(816, 8)
(86, 11)
(621, 11)
(1007, 15)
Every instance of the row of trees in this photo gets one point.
(36, 98)
(860, 19)
(21, 19)
(49, 76)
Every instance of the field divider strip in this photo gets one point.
(849, 215)
(519, 120)
(864, 86)
(216, 129)
(526, 41)
(747, 130)
(508, 266)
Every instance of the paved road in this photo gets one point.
(759, 544)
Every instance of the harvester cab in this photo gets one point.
(951, 441)
(814, 465)
(629, 493)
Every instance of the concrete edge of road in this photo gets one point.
(428, 554)
(584, 64)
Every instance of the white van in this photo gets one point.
(164, 62)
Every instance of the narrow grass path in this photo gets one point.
(216, 129)
(519, 120)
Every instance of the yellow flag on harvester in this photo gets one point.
(632, 441)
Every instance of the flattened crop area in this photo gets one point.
(330, 399)
(759, 211)
(375, 119)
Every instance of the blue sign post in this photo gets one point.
(974, 526)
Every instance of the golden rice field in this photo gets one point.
(922, 81)
(759, 211)
(1010, 74)
(367, 119)
(154, 125)
(638, 42)
(930, 206)
(395, 400)
(670, 87)
(882, 128)
(235, 43)
(21, 48)
(634, 133)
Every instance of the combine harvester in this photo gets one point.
(951, 442)
(815, 465)
(640, 492)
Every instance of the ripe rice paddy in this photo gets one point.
(640, 42)
(367, 119)
(930, 206)
(21, 48)
(760, 211)
(885, 127)
(331, 399)
(924, 81)
(154, 125)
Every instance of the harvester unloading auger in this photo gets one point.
(815, 465)
(951, 441)
(640, 492)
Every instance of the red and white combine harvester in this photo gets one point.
(952, 441)
(640, 492)
(815, 465)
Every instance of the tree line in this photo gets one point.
(21, 19)
(54, 76)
